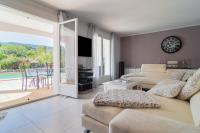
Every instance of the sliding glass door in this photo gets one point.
(68, 58)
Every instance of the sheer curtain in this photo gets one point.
(106, 48)
(115, 56)
(95, 54)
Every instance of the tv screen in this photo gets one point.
(84, 46)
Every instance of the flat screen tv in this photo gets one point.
(84, 46)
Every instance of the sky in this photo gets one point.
(25, 38)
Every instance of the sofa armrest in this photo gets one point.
(132, 121)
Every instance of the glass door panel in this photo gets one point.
(68, 58)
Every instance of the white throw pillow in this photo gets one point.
(168, 88)
(176, 75)
(191, 86)
(187, 75)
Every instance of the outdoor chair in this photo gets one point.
(31, 74)
(45, 75)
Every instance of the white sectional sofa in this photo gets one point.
(174, 115)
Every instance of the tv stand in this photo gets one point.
(85, 79)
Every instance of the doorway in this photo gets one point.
(26, 58)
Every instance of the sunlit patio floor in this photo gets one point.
(14, 84)
(15, 98)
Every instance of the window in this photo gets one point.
(99, 51)
(106, 56)
(103, 55)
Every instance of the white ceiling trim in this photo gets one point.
(155, 31)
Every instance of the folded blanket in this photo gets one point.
(126, 99)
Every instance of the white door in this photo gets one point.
(68, 33)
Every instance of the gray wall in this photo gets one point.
(146, 48)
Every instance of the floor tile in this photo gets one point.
(52, 124)
(30, 128)
(13, 120)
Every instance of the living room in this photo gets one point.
(115, 66)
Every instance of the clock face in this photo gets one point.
(171, 44)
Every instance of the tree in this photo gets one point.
(2, 56)
(43, 55)
(13, 56)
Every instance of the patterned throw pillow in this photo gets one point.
(168, 88)
(191, 87)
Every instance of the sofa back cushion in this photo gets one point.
(153, 68)
(195, 108)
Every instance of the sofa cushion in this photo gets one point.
(153, 68)
(103, 114)
(172, 108)
(191, 86)
(133, 121)
(195, 108)
(154, 74)
(167, 88)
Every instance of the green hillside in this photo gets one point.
(16, 56)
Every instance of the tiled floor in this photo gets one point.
(54, 115)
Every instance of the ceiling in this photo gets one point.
(127, 17)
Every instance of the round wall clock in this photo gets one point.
(171, 44)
